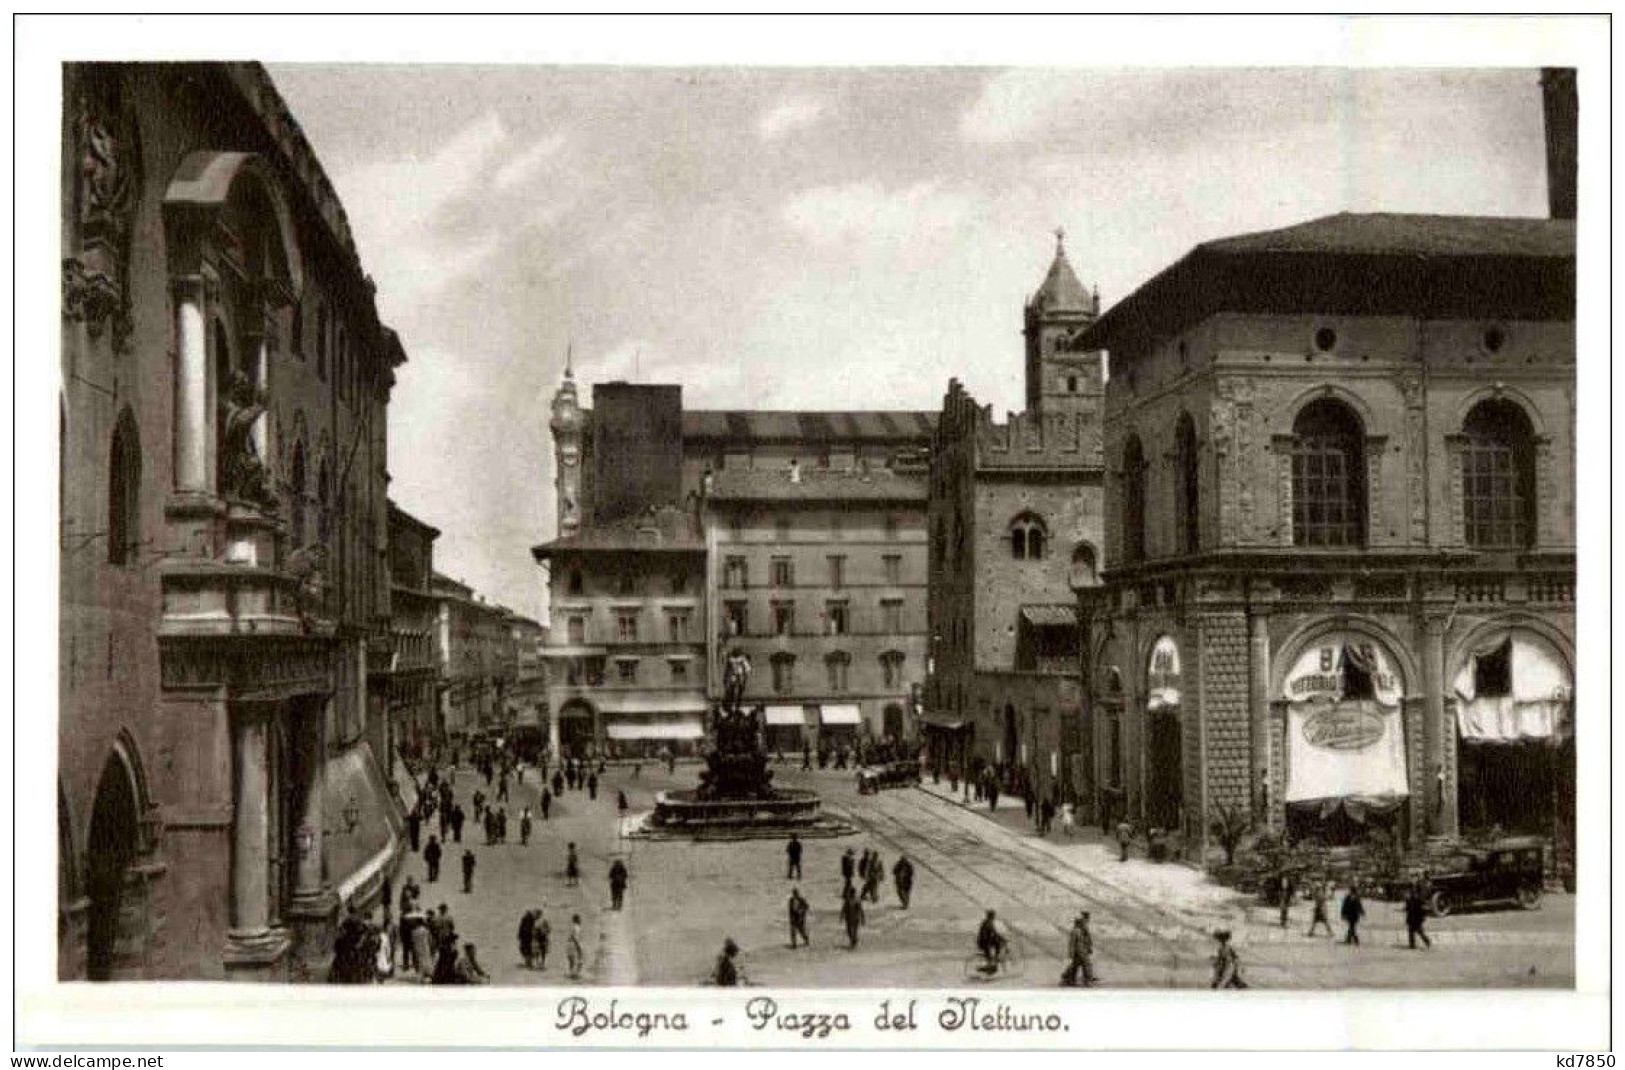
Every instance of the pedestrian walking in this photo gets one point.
(547, 803)
(457, 819)
(621, 804)
(992, 794)
(541, 938)
(1353, 911)
(1226, 963)
(903, 878)
(871, 883)
(617, 884)
(479, 807)
(527, 937)
(1080, 953)
(468, 871)
(558, 782)
(792, 857)
(502, 787)
(422, 946)
(502, 825)
(572, 866)
(573, 953)
(849, 865)
(1319, 894)
(414, 826)
(1046, 816)
(524, 827)
(851, 917)
(798, 918)
(1069, 820)
(1289, 889)
(1416, 914)
(592, 786)
(431, 859)
(1125, 833)
(445, 964)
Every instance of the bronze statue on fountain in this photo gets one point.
(736, 797)
(736, 766)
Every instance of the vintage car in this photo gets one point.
(1505, 871)
(891, 775)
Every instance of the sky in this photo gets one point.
(817, 238)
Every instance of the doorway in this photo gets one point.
(1165, 769)
(111, 850)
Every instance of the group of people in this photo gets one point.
(364, 952)
(1352, 909)
(536, 939)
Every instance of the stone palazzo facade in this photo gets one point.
(225, 588)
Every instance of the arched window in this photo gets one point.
(1133, 499)
(297, 491)
(1085, 568)
(321, 341)
(124, 492)
(1328, 476)
(1027, 537)
(1186, 515)
(1498, 476)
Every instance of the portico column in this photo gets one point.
(553, 731)
(250, 828)
(1258, 709)
(260, 343)
(1440, 816)
(307, 878)
(194, 423)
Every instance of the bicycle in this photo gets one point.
(1006, 964)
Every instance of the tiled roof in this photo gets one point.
(767, 425)
(665, 529)
(1359, 264)
(1061, 291)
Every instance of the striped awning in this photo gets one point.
(1051, 616)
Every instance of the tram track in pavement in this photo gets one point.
(937, 860)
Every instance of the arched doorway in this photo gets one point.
(1513, 694)
(1164, 758)
(110, 852)
(576, 729)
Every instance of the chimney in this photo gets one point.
(1562, 104)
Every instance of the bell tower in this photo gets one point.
(1059, 378)
(567, 425)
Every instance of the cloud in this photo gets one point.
(1017, 104)
(861, 212)
(789, 115)
(524, 166)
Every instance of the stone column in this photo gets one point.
(252, 944)
(1258, 706)
(553, 731)
(1440, 803)
(260, 343)
(308, 889)
(194, 410)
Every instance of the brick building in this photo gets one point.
(224, 582)
(1015, 521)
(798, 537)
(1340, 532)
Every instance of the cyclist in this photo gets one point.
(990, 943)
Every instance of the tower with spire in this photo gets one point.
(568, 425)
(1060, 378)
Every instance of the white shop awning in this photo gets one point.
(611, 704)
(786, 715)
(657, 730)
(837, 715)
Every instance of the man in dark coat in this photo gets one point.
(848, 865)
(457, 819)
(1353, 911)
(903, 877)
(527, 937)
(798, 918)
(1319, 891)
(851, 917)
(1416, 914)
(1080, 953)
(431, 858)
(547, 803)
(414, 826)
(617, 884)
(592, 786)
(992, 794)
(572, 866)
(524, 827)
(792, 854)
(468, 871)
(558, 782)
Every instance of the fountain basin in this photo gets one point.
(685, 814)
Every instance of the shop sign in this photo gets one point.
(1350, 726)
